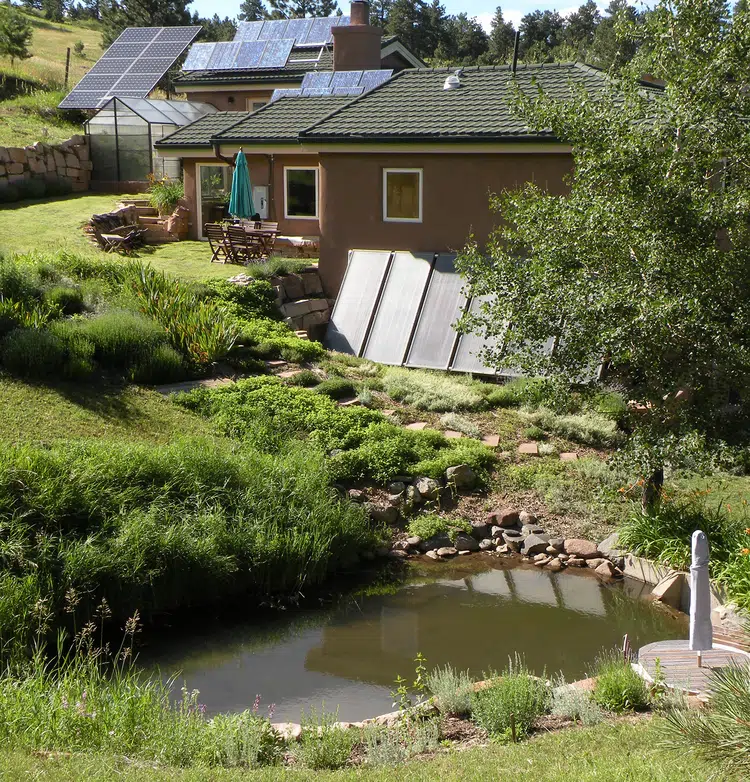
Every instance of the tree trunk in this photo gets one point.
(652, 490)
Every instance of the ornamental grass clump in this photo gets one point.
(451, 690)
(619, 687)
(511, 703)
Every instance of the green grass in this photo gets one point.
(618, 752)
(47, 413)
(31, 118)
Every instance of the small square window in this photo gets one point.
(301, 193)
(258, 104)
(402, 195)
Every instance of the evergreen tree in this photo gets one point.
(15, 34)
(540, 33)
(297, 9)
(407, 20)
(54, 10)
(465, 41)
(581, 27)
(216, 28)
(379, 12)
(501, 40)
(118, 14)
(608, 50)
(252, 11)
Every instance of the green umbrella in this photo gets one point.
(241, 202)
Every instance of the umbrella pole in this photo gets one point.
(700, 659)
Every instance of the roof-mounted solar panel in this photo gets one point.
(248, 31)
(276, 53)
(285, 94)
(298, 29)
(137, 60)
(346, 79)
(250, 54)
(372, 79)
(273, 30)
(317, 80)
(320, 31)
(348, 92)
(224, 55)
(311, 92)
(198, 56)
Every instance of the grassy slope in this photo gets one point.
(55, 224)
(621, 752)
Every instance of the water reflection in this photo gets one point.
(348, 657)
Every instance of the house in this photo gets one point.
(407, 165)
(319, 44)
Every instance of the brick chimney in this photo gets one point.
(357, 46)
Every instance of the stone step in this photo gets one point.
(149, 219)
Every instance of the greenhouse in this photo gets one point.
(122, 135)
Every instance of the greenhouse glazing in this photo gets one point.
(122, 135)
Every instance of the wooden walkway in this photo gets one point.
(679, 666)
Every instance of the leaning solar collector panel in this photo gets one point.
(131, 67)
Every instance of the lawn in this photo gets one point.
(54, 224)
(620, 752)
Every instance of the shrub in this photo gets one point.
(589, 429)
(122, 339)
(165, 194)
(534, 433)
(305, 378)
(432, 390)
(427, 525)
(575, 704)
(323, 743)
(33, 353)
(451, 689)
(163, 365)
(460, 423)
(79, 359)
(394, 744)
(272, 339)
(69, 301)
(532, 393)
(18, 283)
(516, 692)
(254, 300)
(719, 734)
(618, 687)
(336, 388)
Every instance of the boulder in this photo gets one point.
(486, 545)
(607, 570)
(584, 549)
(400, 545)
(502, 549)
(441, 540)
(388, 515)
(413, 496)
(428, 488)
(514, 540)
(594, 562)
(555, 565)
(465, 542)
(532, 529)
(496, 531)
(527, 518)
(432, 554)
(480, 529)
(397, 487)
(288, 731)
(357, 495)
(552, 550)
(669, 590)
(461, 476)
(576, 562)
(541, 558)
(557, 543)
(610, 546)
(414, 541)
(395, 553)
(394, 500)
(447, 551)
(505, 517)
(533, 544)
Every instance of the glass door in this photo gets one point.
(214, 189)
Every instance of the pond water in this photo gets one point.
(472, 615)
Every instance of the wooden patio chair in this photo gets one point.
(268, 231)
(246, 246)
(221, 251)
(123, 240)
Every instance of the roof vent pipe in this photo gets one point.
(453, 82)
(516, 46)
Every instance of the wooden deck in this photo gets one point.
(679, 666)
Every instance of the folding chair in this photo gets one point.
(218, 242)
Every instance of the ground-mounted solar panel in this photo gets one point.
(248, 31)
(139, 58)
(469, 346)
(398, 308)
(276, 53)
(372, 79)
(285, 94)
(434, 337)
(346, 79)
(317, 80)
(360, 290)
(249, 54)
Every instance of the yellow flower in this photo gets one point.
(745, 551)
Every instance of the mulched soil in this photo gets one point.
(463, 732)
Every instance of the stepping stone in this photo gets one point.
(530, 449)
(388, 412)
(417, 427)
(189, 385)
(276, 363)
(491, 440)
(569, 457)
(349, 402)
(452, 435)
(290, 373)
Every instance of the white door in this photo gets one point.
(260, 200)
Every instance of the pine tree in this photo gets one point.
(252, 11)
(297, 9)
(407, 20)
(15, 34)
(607, 51)
(465, 41)
(119, 14)
(379, 12)
(502, 39)
(581, 27)
(216, 28)
(540, 33)
(54, 10)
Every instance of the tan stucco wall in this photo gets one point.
(263, 171)
(221, 99)
(455, 202)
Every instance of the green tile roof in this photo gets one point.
(282, 120)
(200, 132)
(413, 105)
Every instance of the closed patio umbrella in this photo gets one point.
(241, 200)
(701, 632)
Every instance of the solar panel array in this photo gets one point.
(344, 83)
(304, 32)
(238, 55)
(400, 308)
(131, 67)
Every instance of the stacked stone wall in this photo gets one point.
(65, 167)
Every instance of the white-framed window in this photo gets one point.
(402, 195)
(301, 192)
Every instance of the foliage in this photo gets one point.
(434, 391)
(336, 388)
(719, 734)
(394, 744)
(305, 378)
(116, 16)
(621, 279)
(164, 194)
(619, 687)
(324, 744)
(15, 34)
(575, 704)
(33, 353)
(460, 423)
(451, 690)
(513, 695)
(69, 301)
(427, 525)
(162, 365)
(272, 339)
(591, 429)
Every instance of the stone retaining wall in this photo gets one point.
(67, 163)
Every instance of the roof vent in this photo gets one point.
(453, 82)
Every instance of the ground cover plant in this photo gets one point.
(619, 688)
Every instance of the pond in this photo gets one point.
(474, 615)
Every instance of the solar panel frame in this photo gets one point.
(285, 94)
(276, 53)
(138, 35)
(466, 359)
(182, 35)
(398, 307)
